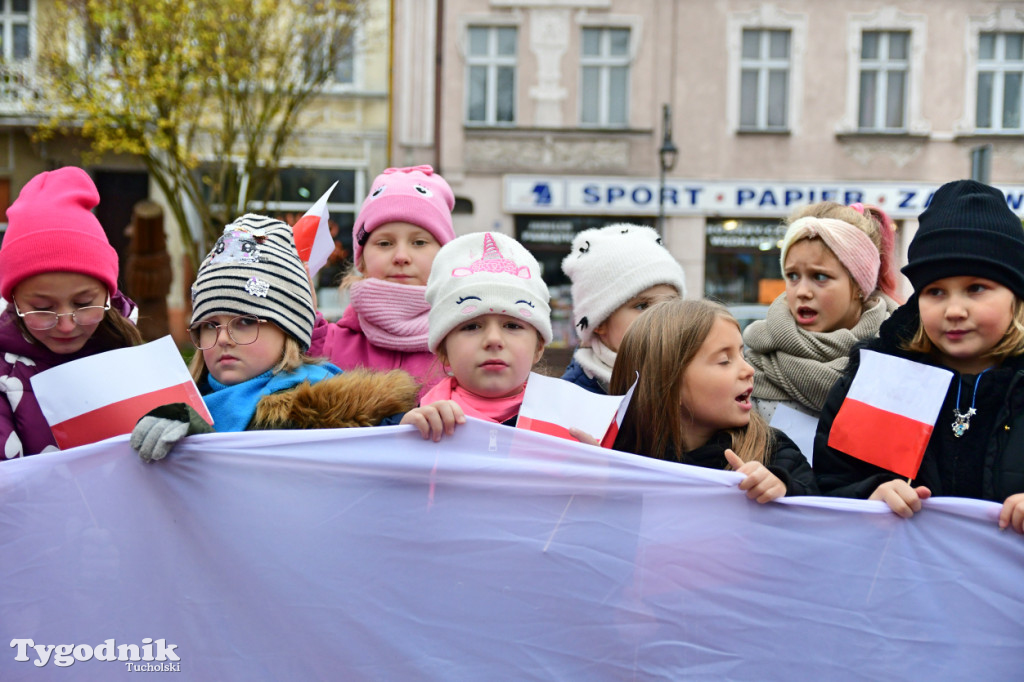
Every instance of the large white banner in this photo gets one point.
(370, 554)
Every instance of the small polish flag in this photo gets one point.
(313, 235)
(553, 406)
(890, 411)
(104, 395)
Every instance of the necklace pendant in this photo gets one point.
(962, 421)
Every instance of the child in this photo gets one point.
(966, 263)
(252, 318)
(58, 276)
(617, 272)
(831, 302)
(403, 222)
(692, 400)
(489, 323)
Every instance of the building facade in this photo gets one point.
(342, 136)
(548, 117)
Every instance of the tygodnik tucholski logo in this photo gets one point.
(151, 656)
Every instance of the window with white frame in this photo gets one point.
(14, 29)
(491, 74)
(764, 79)
(1000, 79)
(884, 69)
(604, 85)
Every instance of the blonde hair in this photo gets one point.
(292, 358)
(660, 345)
(874, 223)
(1010, 345)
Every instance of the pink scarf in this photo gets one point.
(496, 410)
(392, 316)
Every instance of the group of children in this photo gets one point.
(442, 327)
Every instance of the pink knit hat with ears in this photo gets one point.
(51, 228)
(851, 246)
(414, 195)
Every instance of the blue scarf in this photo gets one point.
(233, 407)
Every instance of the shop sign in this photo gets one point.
(639, 196)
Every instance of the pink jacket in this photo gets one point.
(345, 345)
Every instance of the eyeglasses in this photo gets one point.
(41, 320)
(243, 330)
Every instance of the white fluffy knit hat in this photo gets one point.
(612, 264)
(483, 273)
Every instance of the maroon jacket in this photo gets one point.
(23, 428)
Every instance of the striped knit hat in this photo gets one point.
(254, 269)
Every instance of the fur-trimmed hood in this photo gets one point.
(359, 397)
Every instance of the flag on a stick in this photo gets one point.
(890, 411)
(553, 406)
(313, 234)
(104, 395)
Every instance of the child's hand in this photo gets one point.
(900, 497)
(760, 484)
(435, 419)
(1012, 513)
(583, 437)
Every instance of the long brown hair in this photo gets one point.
(659, 345)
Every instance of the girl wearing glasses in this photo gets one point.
(58, 279)
(252, 320)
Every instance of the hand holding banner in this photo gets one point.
(104, 395)
(313, 235)
(890, 411)
(553, 406)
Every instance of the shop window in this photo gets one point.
(742, 260)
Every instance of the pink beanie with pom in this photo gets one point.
(415, 195)
(51, 228)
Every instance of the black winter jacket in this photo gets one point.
(787, 462)
(986, 463)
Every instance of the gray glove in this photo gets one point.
(158, 432)
(154, 437)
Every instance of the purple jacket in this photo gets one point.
(23, 428)
(345, 345)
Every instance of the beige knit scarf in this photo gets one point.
(794, 364)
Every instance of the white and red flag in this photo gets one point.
(890, 411)
(553, 406)
(104, 395)
(313, 234)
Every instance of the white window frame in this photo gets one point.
(8, 19)
(333, 85)
(604, 63)
(999, 67)
(492, 61)
(763, 65)
(766, 18)
(1004, 20)
(886, 19)
(884, 66)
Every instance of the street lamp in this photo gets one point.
(667, 160)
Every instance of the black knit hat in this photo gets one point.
(967, 229)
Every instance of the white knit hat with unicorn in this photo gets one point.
(484, 273)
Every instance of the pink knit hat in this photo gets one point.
(414, 195)
(851, 246)
(51, 228)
